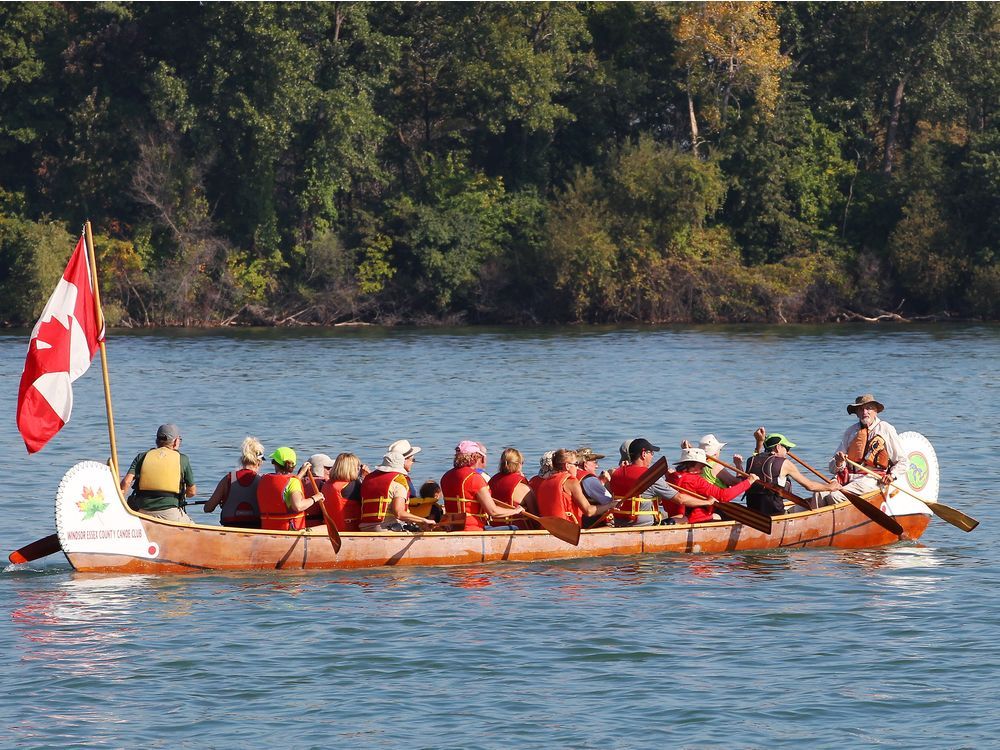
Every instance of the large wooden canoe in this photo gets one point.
(99, 533)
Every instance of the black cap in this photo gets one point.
(639, 445)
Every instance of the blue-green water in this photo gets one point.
(891, 647)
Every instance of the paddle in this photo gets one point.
(331, 527)
(871, 510)
(778, 490)
(43, 547)
(561, 528)
(945, 512)
(733, 512)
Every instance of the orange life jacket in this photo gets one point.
(274, 514)
(555, 500)
(346, 514)
(375, 500)
(459, 487)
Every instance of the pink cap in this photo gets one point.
(470, 446)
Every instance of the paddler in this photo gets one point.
(280, 495)
(384, 498)
(559, 494)
(871, 442)
(641, 511)
(466, 490)
(237, 491)
(164, 478)
(774, 467)
(688, 475)
(409, 452)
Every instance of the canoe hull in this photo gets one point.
(116, 540)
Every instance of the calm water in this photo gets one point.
(890, 647)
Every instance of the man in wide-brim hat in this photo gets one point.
(871, 442)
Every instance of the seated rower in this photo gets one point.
(409, 457)
(427, 504)
(466, 490)
(715, 473)
(509, 486)
(385, 495)
(594, 484)
(560, 494)
(774, 467)
(320, 465)
(342, 492)
(641, 511)
(872, 443)
(237, 491)
(688, 475)
(280, 497)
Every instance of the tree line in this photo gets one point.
(279, 163)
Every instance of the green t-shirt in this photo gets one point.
(152, 500)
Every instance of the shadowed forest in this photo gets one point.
(519, 163)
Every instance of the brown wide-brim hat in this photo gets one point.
(860, 401)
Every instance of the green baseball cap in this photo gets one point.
(284, 456)
(776, 438)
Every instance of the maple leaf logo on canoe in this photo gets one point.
(92, 503)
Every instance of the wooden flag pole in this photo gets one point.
(92, 255)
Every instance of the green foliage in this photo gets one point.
(33, 256)
(503, 161)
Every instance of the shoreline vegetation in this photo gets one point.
(296, 164)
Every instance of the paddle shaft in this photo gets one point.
(43, 547)
(867, 507)
(331, 527)
(744, 515)
(767, 485)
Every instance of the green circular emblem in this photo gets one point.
(918, 475)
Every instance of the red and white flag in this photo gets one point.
(62, 346)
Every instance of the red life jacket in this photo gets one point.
(346, 514)
(555, 500)
(240, 505)
(274, 514)
(375, 500)
(502, 486)
(459, 487)
(629, 509)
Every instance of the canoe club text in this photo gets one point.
(105, 534)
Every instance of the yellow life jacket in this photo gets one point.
(161, 471)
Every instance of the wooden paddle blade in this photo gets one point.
(875, 513)
(331, 527)
(560, 528)
(952, 515)
(43, 547)
(745, 516)
(648, 478)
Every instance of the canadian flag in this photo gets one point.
(62, 346)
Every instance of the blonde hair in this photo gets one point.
(510, 460)
(252, 452)
(346, 468)
(561, 458)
